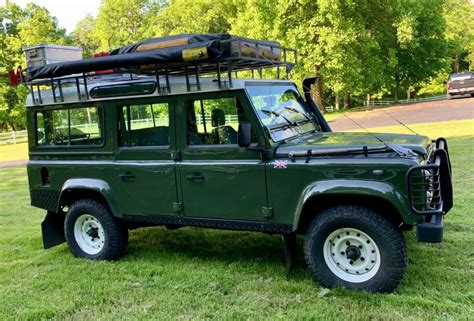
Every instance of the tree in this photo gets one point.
(183, 16)
(84, 35)
(420, 48)
(18, 29)
(119, 22)
(459, 16)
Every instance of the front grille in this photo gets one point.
(429, 186)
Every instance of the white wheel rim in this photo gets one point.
(351, 255)
(89, 234)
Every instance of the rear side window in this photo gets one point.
(69, 127)
(144, 125)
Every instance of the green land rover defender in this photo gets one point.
(206, 131)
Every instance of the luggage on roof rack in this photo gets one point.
(177, 55)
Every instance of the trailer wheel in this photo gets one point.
(93, 233)
(356, 248)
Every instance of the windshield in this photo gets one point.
(282, 110)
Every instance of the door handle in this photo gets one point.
(196, 177)
(127, 176)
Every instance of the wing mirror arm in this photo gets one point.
(312, 105)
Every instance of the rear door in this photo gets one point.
(218, 178)
(144, 170)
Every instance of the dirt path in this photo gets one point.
(427, 112)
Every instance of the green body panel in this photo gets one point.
(243, 184)
(334, 139)
(291, 187)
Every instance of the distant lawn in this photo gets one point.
(195, 273)
(13, 152)
(451, 128)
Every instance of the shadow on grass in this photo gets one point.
(247, 248)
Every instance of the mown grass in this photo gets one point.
(206, 274)
(450, 128)
(13, 152)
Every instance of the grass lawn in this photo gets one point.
(13, 152)
(200, 274)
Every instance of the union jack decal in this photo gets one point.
(280, 164)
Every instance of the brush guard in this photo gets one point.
(430, 193)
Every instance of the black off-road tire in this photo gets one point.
(386, 236)
(115, 238)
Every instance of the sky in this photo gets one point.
(68, 12)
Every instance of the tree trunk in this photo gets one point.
(337, 102)
(346, 101)
(395, 94)
(408, 94)
(368, 101)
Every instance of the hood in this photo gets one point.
(337, 140)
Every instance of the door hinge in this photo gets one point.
(177, 207)
(267, 212)
(176, 155)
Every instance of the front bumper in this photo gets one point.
(430, 193)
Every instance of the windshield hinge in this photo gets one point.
(177, 207)
(175, 155)
(267, 212)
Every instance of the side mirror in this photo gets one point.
(244, 138)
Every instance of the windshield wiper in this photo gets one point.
(297, 112)
(274, 113)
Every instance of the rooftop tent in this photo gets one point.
(173, 50)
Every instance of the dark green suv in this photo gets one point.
(118, 151)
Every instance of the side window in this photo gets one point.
(144, 125)
(214, 121)
(69, 127)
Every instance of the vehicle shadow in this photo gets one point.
(158, 243)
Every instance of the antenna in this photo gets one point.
(368, 132)
(400, 150)
(404, 125)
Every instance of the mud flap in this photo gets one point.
(289, 245)
(52, 229)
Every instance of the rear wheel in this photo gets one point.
(449, 96)
(356, 248)
(93, 233)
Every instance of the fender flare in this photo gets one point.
(95, 185)
(336, 187)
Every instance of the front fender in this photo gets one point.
(342, 187)
(94, 185)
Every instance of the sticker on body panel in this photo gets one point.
(280, 164)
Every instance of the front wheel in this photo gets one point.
(356, 248)
(93, 233)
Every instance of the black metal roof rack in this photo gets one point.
(246, 55)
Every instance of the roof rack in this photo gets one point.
(262, 55)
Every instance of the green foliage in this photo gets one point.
(459, 16)
(18, 29)
(84, 35)
(183, 16)
(118, 22)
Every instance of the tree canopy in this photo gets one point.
(381, 48)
